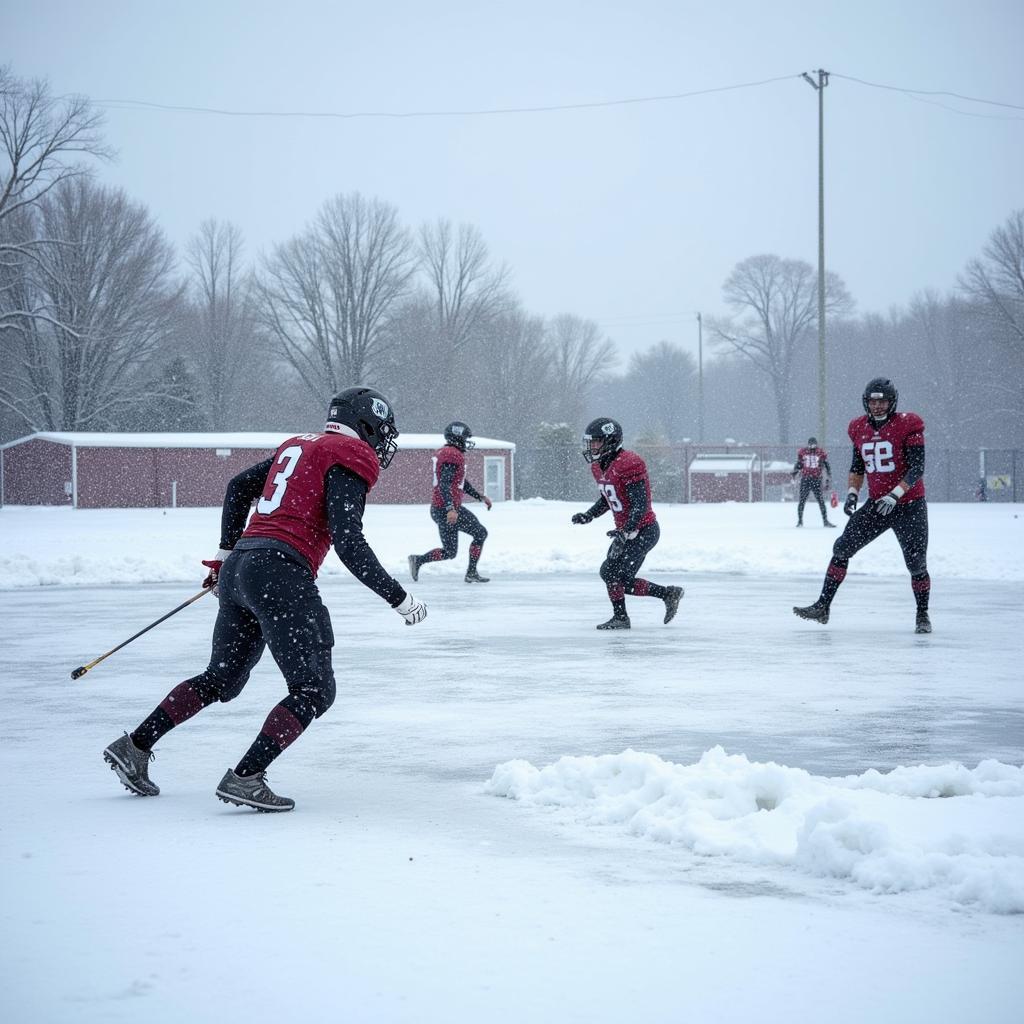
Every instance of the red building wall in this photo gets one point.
(35, 473)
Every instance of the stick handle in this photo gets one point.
(82, 669)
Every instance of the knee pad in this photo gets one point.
(481, 535)
(319, 689)
(216, 686)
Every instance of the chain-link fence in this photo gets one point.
(952, 474)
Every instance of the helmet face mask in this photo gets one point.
(602, 437)
(369, 414)
(878, 391)
(458, 435)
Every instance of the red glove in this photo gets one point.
(487, 502)
(214, 565)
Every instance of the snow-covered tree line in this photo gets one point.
(104, 326)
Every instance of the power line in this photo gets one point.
(120, 104)
(918, 94)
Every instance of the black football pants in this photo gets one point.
(624, 558)
(269, 598)
(909, 521)
(808, 485)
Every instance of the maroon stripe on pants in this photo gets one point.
(474, 551)
(616, 591)
(641, 587)
(182, 703)
(922, 586)
(282, 727)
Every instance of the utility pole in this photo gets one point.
(819, 87)
(700, 378)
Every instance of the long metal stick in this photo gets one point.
(82, 669)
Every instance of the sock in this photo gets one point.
(644, 588)
(184, 701)
(834, 575)
(922, 584)
(284, 725)
(474, 556)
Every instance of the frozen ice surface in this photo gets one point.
(402, 889)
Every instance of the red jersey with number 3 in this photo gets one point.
(449, 455)
(293, 507)
(884, 452)
(625, 469)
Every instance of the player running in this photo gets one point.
(311, 493)
(888, 448)
(625, 488)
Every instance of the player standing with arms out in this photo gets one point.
(313, 491)
(888, 448)
(810, 463)
(625, 488)
(446, 505)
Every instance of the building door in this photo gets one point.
(494, 477)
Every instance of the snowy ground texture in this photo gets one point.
(507, 816)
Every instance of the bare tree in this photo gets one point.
(467, 291)
(326, 295)
(107, 280)
(661, 387)
(224, 337)
(580, 358)
(996, 280)
(39, 135)
(776, 303)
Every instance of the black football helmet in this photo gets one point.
(370, 415)
(812, 442)
(880, 387)
(458, 435)
(606, 431)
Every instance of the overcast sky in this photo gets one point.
(633, 214)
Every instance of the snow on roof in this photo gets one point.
(723, 462)
(228, 440)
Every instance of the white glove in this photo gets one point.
(887, 502)
(411, 610)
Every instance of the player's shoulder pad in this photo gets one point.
(912, 422)
(352, 453)
(630, 466)
(449, 453)
(856, 424)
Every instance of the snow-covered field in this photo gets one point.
(507, 816)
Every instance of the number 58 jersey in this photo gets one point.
(884, 452)
(293, 507)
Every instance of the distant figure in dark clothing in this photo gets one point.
(446, 505)
(810, 463)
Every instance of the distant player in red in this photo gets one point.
(446, 505)
(311, 493)
(811, 463)
(625, 488)
(888, 448)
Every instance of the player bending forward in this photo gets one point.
(311, 494)
(888, 448)
(625, 488)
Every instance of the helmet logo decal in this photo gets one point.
(607, 428)
(380, 409)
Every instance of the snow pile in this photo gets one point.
(94, 547)
(955, 830)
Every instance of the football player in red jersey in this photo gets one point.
(311, 493)
(625, 488)
(810, 463)
(888, 448)
(446, 505)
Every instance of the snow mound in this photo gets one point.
(948, 828)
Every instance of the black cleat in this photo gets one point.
(924, 624)
(816, 612)
(251, 791)
(131, 766)
(615, 622)
(825, 522)
(799, 522)
(472, 576)
(672, 598)
(414, 567)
